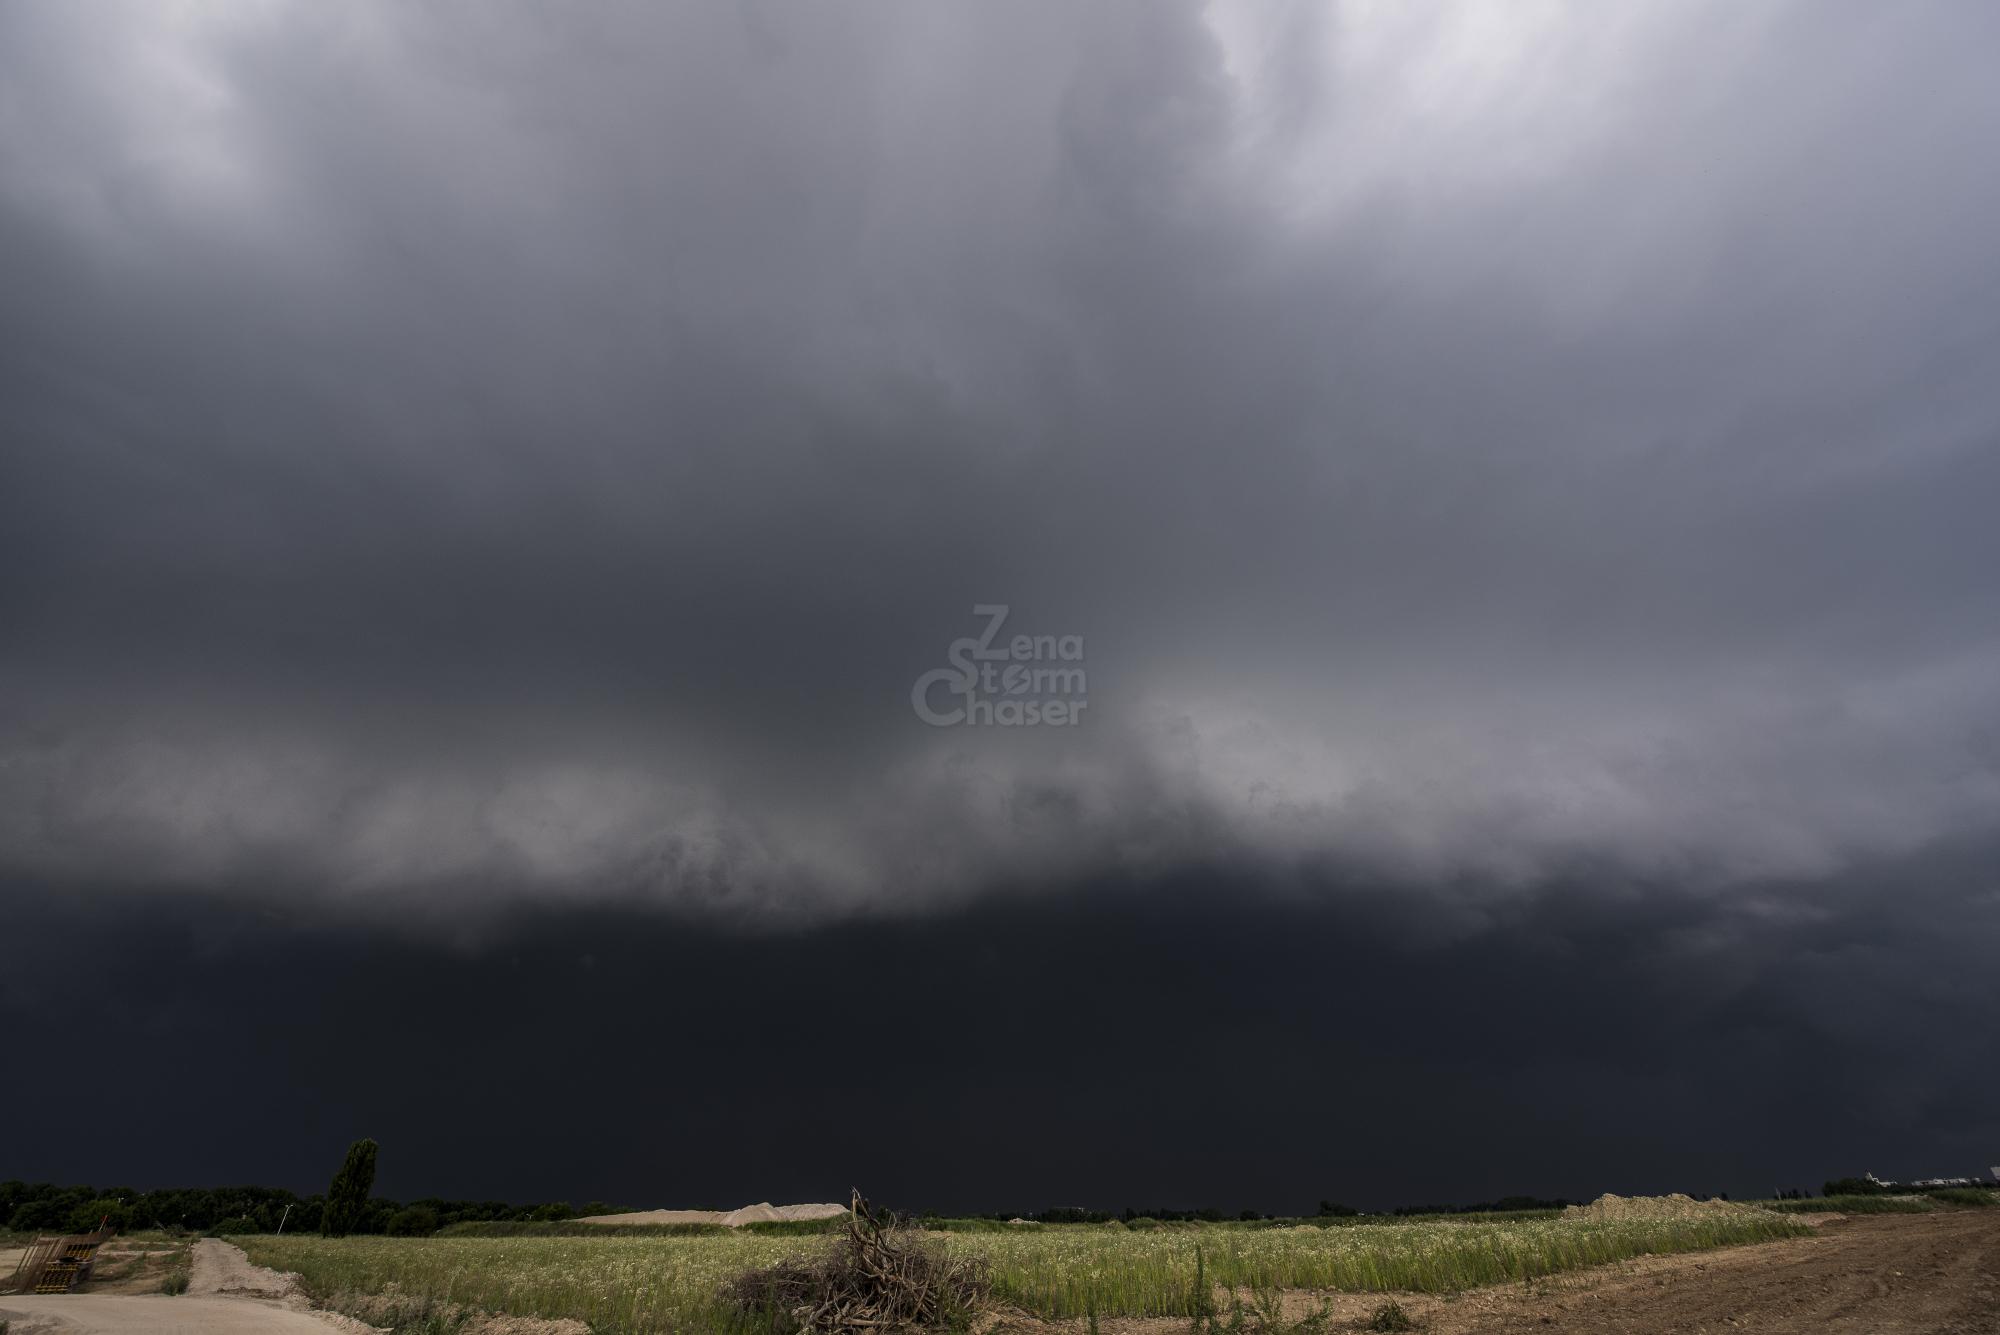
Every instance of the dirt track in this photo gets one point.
(226, 1296)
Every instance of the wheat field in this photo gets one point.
(642, 1284)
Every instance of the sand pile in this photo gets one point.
(1609, 1207)
(761, 1213)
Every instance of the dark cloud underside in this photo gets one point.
(470, 465)
(1149, 1044)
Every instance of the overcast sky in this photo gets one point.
(1522, 479)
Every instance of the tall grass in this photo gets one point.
(1851, 1205)
(1155, 1273)
(1909, 1203)
(615, 1284)
(666, 1282)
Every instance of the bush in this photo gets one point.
(1390, 1316)
(413, 1221)
(37, 1217)
(1853, 1186)
(104, 1211)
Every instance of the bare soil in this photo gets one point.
(133, 1267)
(226, 1296)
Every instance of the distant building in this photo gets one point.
(1936, 1181)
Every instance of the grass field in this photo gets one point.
(670, 1282)
(1906, 1203)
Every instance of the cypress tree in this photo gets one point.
(347, 1198)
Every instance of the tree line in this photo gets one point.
(46, 1207)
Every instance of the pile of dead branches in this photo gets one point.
(879, 1276)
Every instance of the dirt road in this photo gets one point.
(226, 1296)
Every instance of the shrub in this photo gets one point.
(1852, 1186)
(36, 1217)
(1390, 1316)
(413, 1221)
(111, 1213)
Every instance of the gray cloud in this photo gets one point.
(1601, 1037)
(468, 452)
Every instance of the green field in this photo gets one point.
(670, 1282)
(1885, 1203)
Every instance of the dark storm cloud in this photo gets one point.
(466, 451)
(1150, 1044)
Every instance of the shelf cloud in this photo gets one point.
(466, 455)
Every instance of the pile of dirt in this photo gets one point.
(1608, 1208)
(761, 1213)
(654, 1217)
(766, 1213)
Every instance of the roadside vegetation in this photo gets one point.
(1884, 1203)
